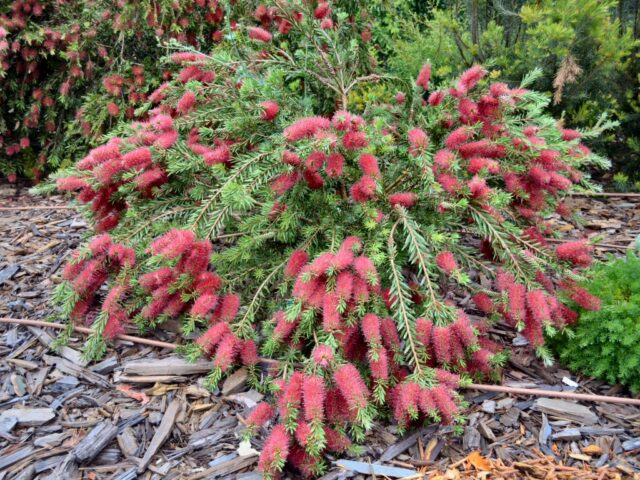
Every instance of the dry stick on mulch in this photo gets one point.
(473, 386)
(37, 207)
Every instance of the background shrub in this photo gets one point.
(606, 344)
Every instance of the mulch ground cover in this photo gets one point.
(142, 412)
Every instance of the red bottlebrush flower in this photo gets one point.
(313, 394)
(426, 402)
(457, 138)
(539, 176)
(270, 110)
(321, 264)
(139, 158)
(166, 140)
(441, 344)
(344, 286)
(275, 450)
(516, 293)
(336, 442)
(173, 243)
(581, 296)
(538, 306)
(363, 190)
(463, 330)
(365, 268)
(115, 325)
(545, 281)
(577, 252)
(322, 355)
(444, 159)
(445, 404)
(305, 290)
(305, 128)
(315, 161)
(471, 77)
(186, 102)
(352, 243)
(424, 328)
(210, 339)
(468, 111)
(326, 24)
(69, 184)
(446, 261)
(331, 320)
(227, 352)
(404, 199)
(228, 308)
(335, 165)
(203, 305)
(504, 280)
(559, 182)
(405, 401)
(351, 386)
(481, 148)
(261, 414)
(322, 10)
(290, 158)
(449, 183)
(341, 120)
(302, 433)
(476, 164)
(100, 244)
(479, 188)
(354, 140)
(283, 328)
(380, 367)
(569, 135)
(370, 325)
(484, 303)
(249, 353)
(276, 210)
(448, 379)
(259, 34)
(424, 76)
(285, 182)
(436, 98)
(291, 396)
(113, 109)
(297, 260)
(481, 362)
(389, 332)
(220, 154)
(418, 139)
(151, 281)
(369, 165)
(342, 259)
(400, 98)
(314, 179)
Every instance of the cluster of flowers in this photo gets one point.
(88, 273)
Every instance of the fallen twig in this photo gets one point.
(37, 207)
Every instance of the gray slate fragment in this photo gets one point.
(8, 272)
(632, 444)
(568, 435)
(29, 416)
(375, 469)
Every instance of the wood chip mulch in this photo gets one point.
(142, 412)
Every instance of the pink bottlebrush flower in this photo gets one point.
(352, 243)
(249, 353)
(341, 120)
(363, 190)
(499, 89)
(275, 450)
(305, 128)
(108, 171)
(418, 139)
(481, 362)
(196, 260)
(297, 260)
(448, 379)
(336, 442)
(203, 305)
(166, 140)
(580, 295)
(404, 199)
(441, 337)
(335, 165)
(284, 183)
(504, 280)
(463, 330)
(113, 109)
(369, 165)
(569, 135)
(424, 76)
(445, 404)
(471, 77)
(468, 111)
(110, 303)
(270, 110)
(444, 159)
(321, 264)
(484, 303)
(84, 281)
(228, 308)
(322, 10)
(516, 293)
(100, 244)
(344, 286)
(283, 328)
(322, 355)
(545, 281)
(331, 320)
(577, 252)
(539, 176)
(220, 154)
(290, 158)
(163, 123)
(354, 140)
(151, 281)
(449, 183)
(476, 164)
(210, 339)
(186, 102)
(514, 184)
(370, 325)
(559, 182)
(424, 329)
(457, 138)
(261, 414)
(159, 93)
(532, 330)
(326, 24)
(302, 433)
(174, 306)
(400, 98)
(207, 282)
(305, 290)
(426, 402)
(115, 325)
(380, 367)
(389, 332)
(313, 394)
(446, 261)
(479, 188)
(314, 179)
(173, 243)
(351, 386)
(139, 158)
(315, 161)
(406, 400)
(291, 396)
(436, 98)
(365, 268)
(259, 34)
(227, 352)
(538, 306)
(342, 259)
(69, 184)
(481, 148)
(276, 210)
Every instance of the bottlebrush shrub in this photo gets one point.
(606, 343)
(341, 238)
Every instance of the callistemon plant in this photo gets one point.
(341, 241)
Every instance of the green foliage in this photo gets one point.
(606, 344)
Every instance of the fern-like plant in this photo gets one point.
(338, 238)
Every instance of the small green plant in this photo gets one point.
(606, 343)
